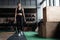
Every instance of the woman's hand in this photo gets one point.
(15, 20)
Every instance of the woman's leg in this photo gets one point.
(21, 23)
(18, 22)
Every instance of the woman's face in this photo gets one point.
(19, 5)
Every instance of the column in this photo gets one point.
(57, 2)
(47, 2)
(51, 2)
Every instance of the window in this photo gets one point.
(13, 2)
(33, 2)
(28, 2)
(23, 2)
(1, 2)
(53, 2)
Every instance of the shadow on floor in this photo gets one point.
(57, 32)
(37, 36)
(16, 37)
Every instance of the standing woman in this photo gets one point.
(19, 17)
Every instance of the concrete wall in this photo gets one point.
(40, 9)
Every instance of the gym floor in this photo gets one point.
(29, 36)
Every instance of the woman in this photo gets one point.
(19, 16)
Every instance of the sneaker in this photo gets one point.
(19, 34)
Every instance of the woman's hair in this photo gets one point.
(18, 3)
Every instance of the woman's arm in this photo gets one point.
(15, 14)
(23, 15)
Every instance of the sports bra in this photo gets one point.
(19, 11)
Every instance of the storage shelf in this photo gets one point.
(30, 21)
(30, 17)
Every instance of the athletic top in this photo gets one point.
(19, 11)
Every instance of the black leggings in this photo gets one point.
(19, 20)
